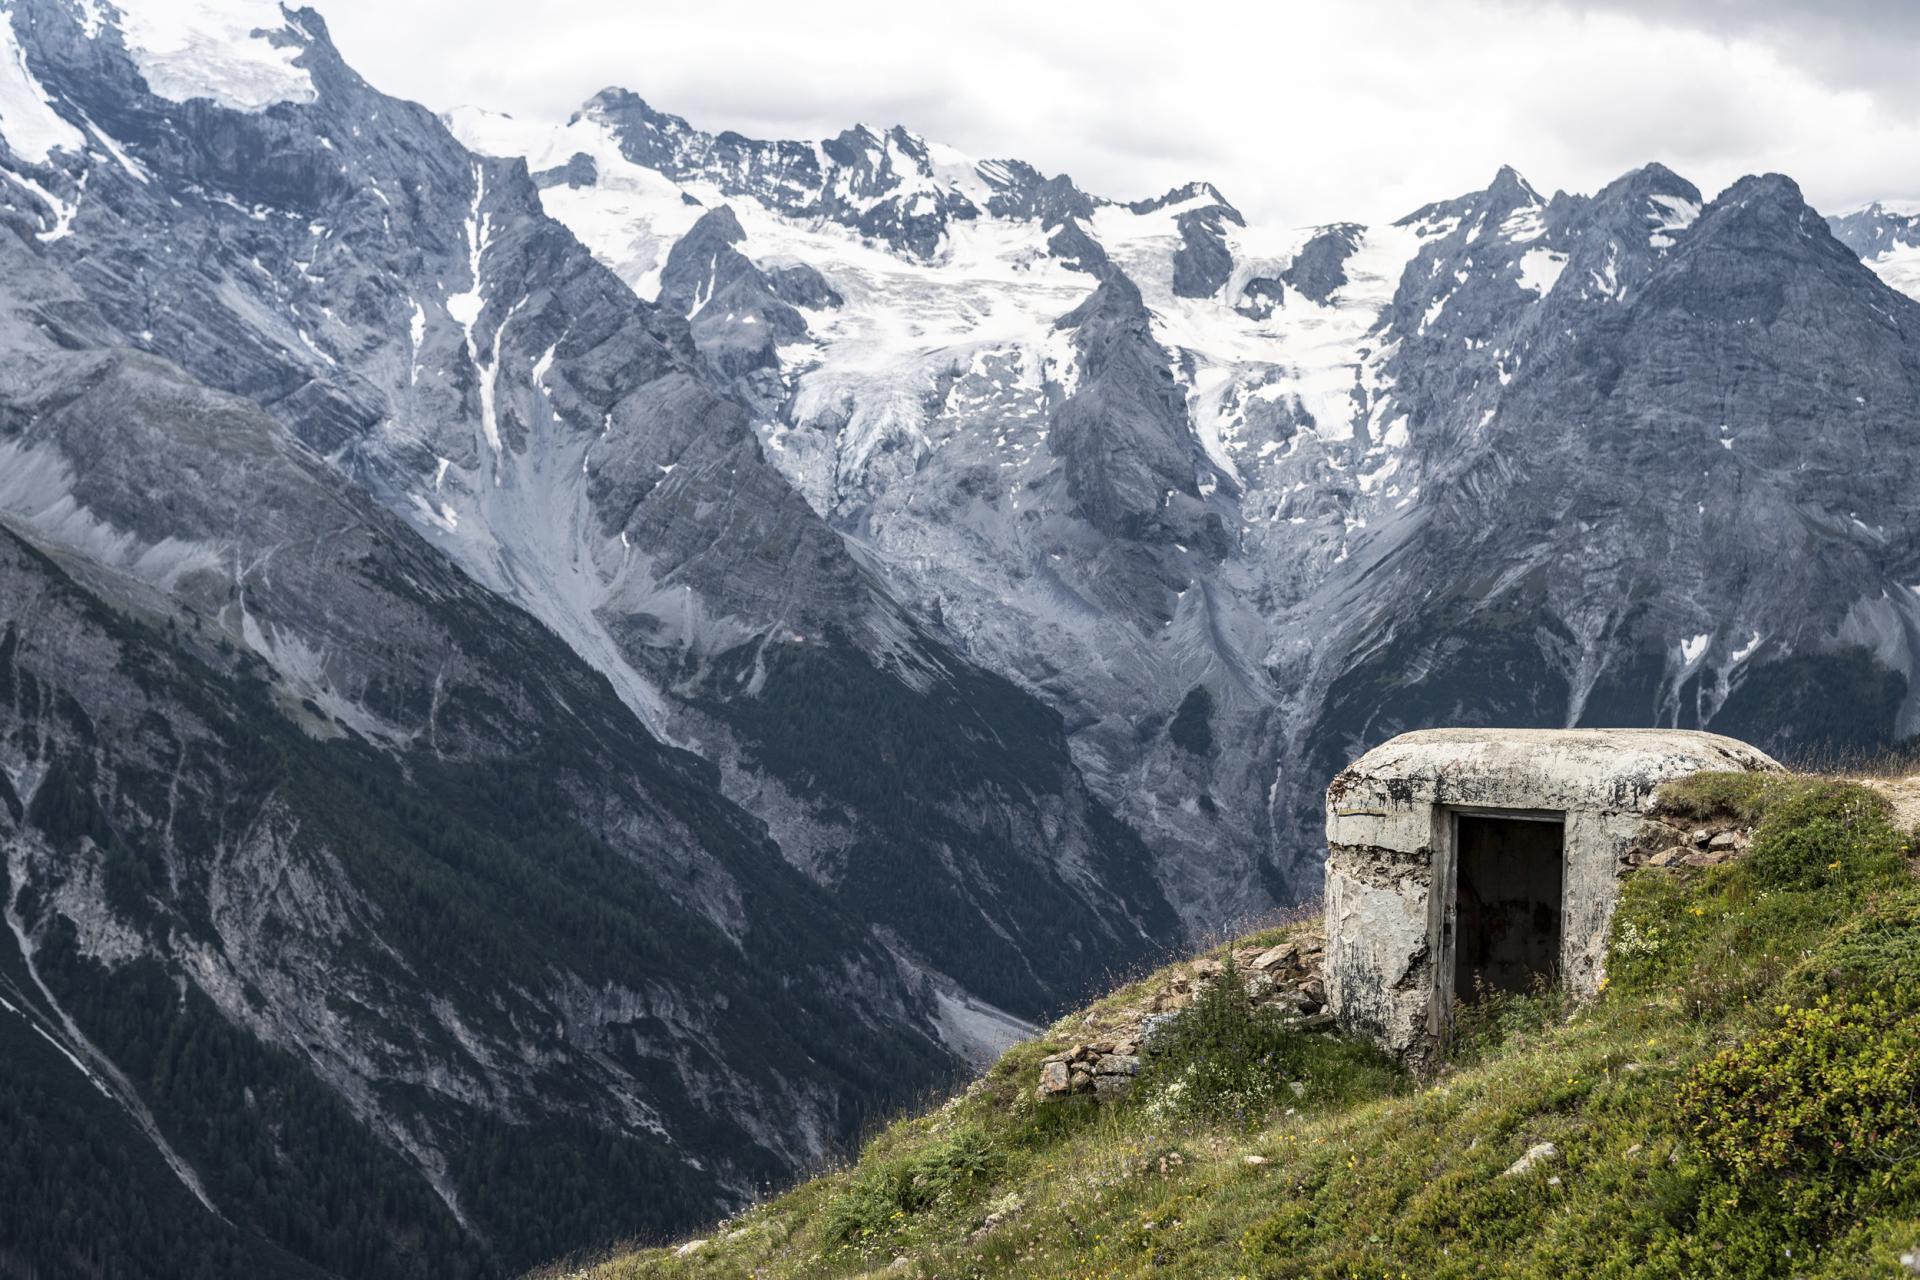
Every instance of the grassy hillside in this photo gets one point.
(1742, 1100)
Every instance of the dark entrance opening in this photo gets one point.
(1507, 904)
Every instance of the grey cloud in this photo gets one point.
(1868, 45)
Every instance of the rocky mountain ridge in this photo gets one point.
(432, 549)
(964, 579)
(1046, 409)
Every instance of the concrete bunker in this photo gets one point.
(1467, 861)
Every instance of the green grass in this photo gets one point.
(1742, 1100)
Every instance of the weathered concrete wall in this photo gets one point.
(1389, 857)
(1379, 956)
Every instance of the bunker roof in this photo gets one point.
(1609, 770)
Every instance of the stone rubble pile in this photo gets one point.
(1288, 976)
(1668, 841)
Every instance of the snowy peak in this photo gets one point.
(888, 186)
(1878, 227)
(894, 188)
(740, 316)
(1193, 196)
(1479, 212)
(1509, 190)
(1651, 205)
(653, 138)
(1651, 179)
(1887, 238)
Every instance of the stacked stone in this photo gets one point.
(1287, 976)
(1105, 1069)
(1677, 842)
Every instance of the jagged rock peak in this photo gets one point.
(718, 225)
(1508, 186)
(1649, 182)
(1879, 229)
(628, 106)
(1022, 191)
(1201, 194)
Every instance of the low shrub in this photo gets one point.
(1836, 1086)
(1740, 796)
(941, 1176)
(1225, 1059)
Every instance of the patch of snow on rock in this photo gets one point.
(1900, 268)
(29, 124)
(1675, 213)
(1540, 270)
(628, 217)
(238, 53)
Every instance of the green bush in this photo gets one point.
(1825, 857)
(1835, 1087)
(1225, 1059)
(882, 1194)
(1815, 1123)
(1879, 939)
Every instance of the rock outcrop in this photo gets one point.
(1286, 976)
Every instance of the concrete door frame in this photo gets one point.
(1443, 901)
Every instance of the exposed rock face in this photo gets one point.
(883, 185)
(1203, 263)
(1475, 465)
(1397, 896)
(737, 313)
(407, 309)
(373, 555)
(286, 785)
(1318, 271)
(1604, 601)
(1121, 436)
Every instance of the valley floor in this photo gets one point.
(1742, 1100)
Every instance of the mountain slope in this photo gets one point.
(1738, 1102)
(406, 309)
(1651, 500)
(296, 812)
(325, 401)
(702, 635)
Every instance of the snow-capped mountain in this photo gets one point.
(576, 658)
(1145, 457)
(1887, 238)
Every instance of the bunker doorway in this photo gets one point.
(1509, 886)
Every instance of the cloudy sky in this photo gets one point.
(1300, 112)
